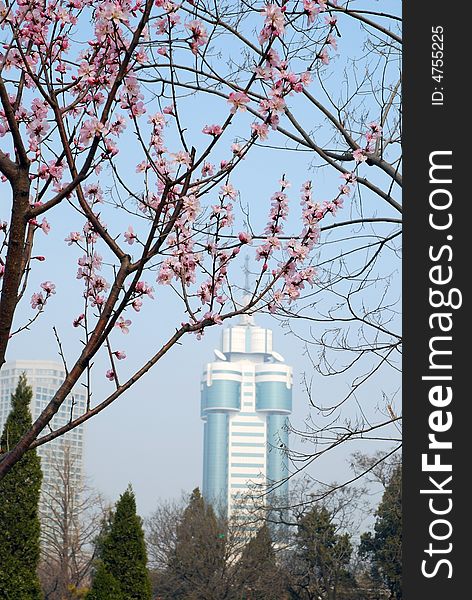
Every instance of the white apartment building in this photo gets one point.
(45, 377)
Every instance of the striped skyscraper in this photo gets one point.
(246, 397)
(45, 377)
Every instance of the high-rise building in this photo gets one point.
(246, 397)
(45, 377)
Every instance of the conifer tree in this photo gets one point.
(196, 565)
(122, 554)
(384, 547)
(259, 576)
(321, 559)
(104, 586)
(19, 499)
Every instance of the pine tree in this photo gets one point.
(196, 565)
(384, 548)
(122, 554)
(19, 499)
(322, 556)
(259, 577)
(105, 586)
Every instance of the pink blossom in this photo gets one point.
(174, 18)
(375, 131)
(90, 129)
(359, 155)
(110, 374)
(51, 170)
(349, 177)
(143, 166)
(111, 149)
(284, 183)
(168, 110)
(45, 226)
(182, 158)
(332, 42)
(261, 130)
(37, 129)
(137, 304)
(228, 190)
(76, 322)
(212, 130)
(311, 9)
(123, 324)
(118, 125)
(199, 34)
(308, 274)
(120, 355)
(204, 292)
(238, 101)
(274, 24)
(296, 249)
(143, 288)
(208, 170)
(98, 300)
(265, 73)
(213, 317)
(293, 292)
(112, 11)
(73, 237)
(48, 287)
(37, 300)
(236, 149)
(244, 237)
(305, 78)
(99, 284)
(158, 120)
(130, 236)
(191, 206)
(273, 59)
(324, 56)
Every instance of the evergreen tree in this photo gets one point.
(320, 566)
(384, 548)
(259, 576)
(104, 586)
(122, 554)
(19, 499)
(196, 563)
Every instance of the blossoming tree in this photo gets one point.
(88, 87)
(343, 113)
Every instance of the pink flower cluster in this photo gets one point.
(238, 100)
(373, 133)
(39, 299)
(274, 22)
(95, 284)
(292, 270)
(213, 130)
(198, 35)
(277, 215)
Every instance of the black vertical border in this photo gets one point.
(429, 128)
